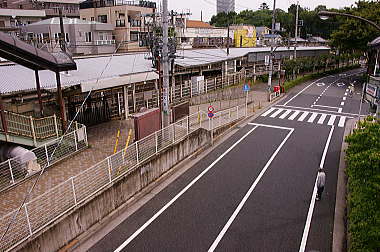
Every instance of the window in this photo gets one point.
(120, 23)
(92, 18)
(102, 18)
(56, 37)
(67, 38)
(134, 36)
(84, 19)
(88, 36)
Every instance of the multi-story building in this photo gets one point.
(225, 6)
(70, 8)
(244, 35)
(11, 20)
(198, 34)
(127, 17)
(81, 37)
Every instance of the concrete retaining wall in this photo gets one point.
(101, 205)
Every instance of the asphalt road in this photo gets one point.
(254, 192)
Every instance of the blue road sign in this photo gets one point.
(246, 88)
(210, 114)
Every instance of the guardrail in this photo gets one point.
(48, 207)
(16, 169)
(27, 126)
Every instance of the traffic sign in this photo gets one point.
(210, 109)
(210, 115)
(246, 88)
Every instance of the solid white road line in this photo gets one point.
(322, 119)
(268, 112)
(277, 113)
(303, 116)
(325, 106)
(146, 224)
(312, 203)
(270, 126)
(342, 121)
(287, 112)
(332, 120)
(246, 196)
(294, 115)
(312, 117)
(300, 92)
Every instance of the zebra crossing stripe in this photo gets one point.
(287, 112)
(277, 113)
(267, 112)
(303, 116)
(294, 115)
(342, 121)
(312, 117)
(322, 119)
(332, 120)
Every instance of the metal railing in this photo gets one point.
(27, 126)
(16, 169)
(48, 207)
(105, 42)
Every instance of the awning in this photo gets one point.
(118, 81)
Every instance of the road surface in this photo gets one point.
(256, 191)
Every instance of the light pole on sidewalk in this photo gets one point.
(324, 15)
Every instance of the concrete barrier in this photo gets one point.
(84, 216)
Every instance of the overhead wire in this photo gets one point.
(27, 195)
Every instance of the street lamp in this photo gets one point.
(324, 15)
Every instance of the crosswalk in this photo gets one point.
(306, 116)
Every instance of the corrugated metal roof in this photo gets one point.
(15, 78)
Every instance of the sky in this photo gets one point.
(208, 7)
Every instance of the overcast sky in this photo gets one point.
(209, 6)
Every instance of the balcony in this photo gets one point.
(104, 42)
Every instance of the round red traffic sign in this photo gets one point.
(211, 109)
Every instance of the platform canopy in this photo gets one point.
(31, 57)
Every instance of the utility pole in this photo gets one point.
(228, 39)
(271, 50)
(165, 65)
(296, 33)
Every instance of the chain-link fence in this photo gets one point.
(46, 208)
(30, 162)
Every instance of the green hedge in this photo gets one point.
(292, 83)
(363, 201)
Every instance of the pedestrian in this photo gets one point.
(321, 178)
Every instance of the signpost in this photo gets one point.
(246, 89)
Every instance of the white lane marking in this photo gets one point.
(332, 120)
(277, 113)
(303, 116)
(312, 203)
(312, 117)
(350, 115)
(246, 196)
(294, 115)
(146, 224)
(291, 99)
(347, 90)
(325, 106)
(344, 98)
(267, 112)
(270, 126)
(342, 121)
(342, 103)
(287, 112)
(345, 94)
(322, 119)
(340, 110)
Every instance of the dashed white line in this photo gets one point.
(342, 104)
(344, 98)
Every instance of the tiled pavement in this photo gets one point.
(101, 140)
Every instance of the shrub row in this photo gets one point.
(363, 199)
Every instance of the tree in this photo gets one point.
(264, 6)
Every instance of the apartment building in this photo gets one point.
(11, 20)
(127, 17)
(81, 37)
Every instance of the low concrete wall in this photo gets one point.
(101, 205)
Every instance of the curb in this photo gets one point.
(339, 231)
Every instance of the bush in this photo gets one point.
(363, 201)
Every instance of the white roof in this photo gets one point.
(209, 56)
(55, 21)
(14, 78)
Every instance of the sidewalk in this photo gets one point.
(101, 144)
